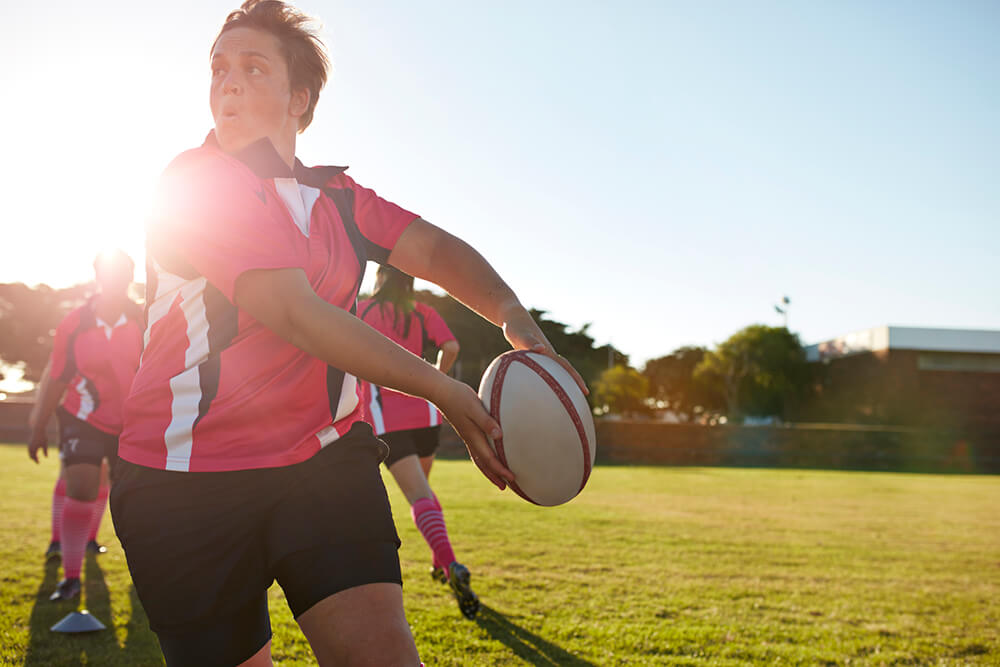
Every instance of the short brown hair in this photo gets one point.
(300, 44)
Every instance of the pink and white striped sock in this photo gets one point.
(75, 524)
(58, 500)
(100, 504)
(429, 518)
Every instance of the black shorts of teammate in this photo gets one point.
(419, 441)
(80, 442)
(204, 547)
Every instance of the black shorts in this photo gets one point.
(419, 441)
(204, 547)
(80, 442)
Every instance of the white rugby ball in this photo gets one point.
(548, 432)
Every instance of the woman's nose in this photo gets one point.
(232, 85)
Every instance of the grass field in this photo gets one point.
(647, 566)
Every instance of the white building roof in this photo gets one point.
(977, 341)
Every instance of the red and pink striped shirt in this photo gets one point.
(216, 389)
(390, 410)
(98, 360)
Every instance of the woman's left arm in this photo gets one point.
(430, 253)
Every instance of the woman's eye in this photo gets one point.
(253, 69)
(216, 71)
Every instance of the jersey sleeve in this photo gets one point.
(216, 219)
(437, 330)
(63, 362)
(380, 221)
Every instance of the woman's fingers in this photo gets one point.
(549, 351)
(483, 455)
(534, 340)
(34, 445)
(475, 425)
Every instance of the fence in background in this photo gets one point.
(825, 446)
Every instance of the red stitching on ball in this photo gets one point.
(496, 392)
(570, 409)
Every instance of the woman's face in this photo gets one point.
(251, 97)
(113, 277)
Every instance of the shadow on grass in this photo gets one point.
(52, 648)
(525, 645)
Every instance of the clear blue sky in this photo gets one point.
(663, 170)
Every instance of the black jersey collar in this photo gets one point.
(264, 161)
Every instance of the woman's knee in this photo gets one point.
(82, 481)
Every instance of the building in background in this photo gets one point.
(941, 378)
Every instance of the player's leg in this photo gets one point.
(404, 464)
(426, 443)
(54, 551)
(100, 506)
(364, 625)
(82, 481)
(426, 463)
(427, 513)
(194, 546)
(343, 583)
(261, 658)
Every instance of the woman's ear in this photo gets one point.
(299, 102)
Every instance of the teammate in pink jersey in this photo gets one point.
(94, 358)
(54, 550)
(245, 458)
(411, 425)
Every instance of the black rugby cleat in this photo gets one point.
(458, 580)
(67, 589)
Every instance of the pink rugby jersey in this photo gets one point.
(217, 390)
(390, 410)
(98, 360)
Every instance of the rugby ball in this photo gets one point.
(548, 432)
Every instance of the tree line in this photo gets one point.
(30, 315)
(758, 371)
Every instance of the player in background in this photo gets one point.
(410, 425)
(54, 551)
(95, 356)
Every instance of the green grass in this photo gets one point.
(647, 566)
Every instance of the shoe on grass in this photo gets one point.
(67, 589)
(458, 581)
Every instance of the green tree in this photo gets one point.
(757, 371)
(28, 320)
(671, 380)
(482, 342)
(621, 390)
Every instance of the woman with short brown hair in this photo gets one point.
(245, 458)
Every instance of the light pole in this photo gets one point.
(783, 308)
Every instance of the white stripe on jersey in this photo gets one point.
(86, 401)
(434, 414)
(376, 410)
(167, 284)
(349, 400)
(327, 435)
(298, 199)
(186, 387)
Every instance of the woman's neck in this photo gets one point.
(109, 307)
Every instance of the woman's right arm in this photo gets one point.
(50, 391)
(284, 302)
(447, 355)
